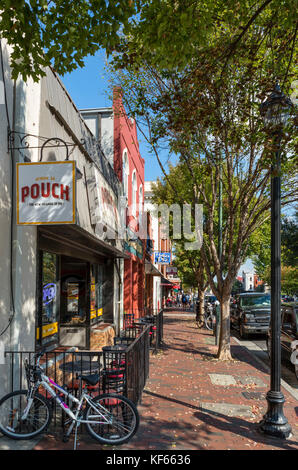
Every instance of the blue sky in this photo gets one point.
(88, 88)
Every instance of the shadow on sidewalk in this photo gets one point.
(189, 348)
(240, 354)
(223, 423)
(173, 400)
(242, 428)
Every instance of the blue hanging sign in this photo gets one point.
(162, 257)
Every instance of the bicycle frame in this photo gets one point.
(49, 385)
(100, 413)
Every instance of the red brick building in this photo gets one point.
(129, 167)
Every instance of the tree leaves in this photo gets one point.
(60, 33)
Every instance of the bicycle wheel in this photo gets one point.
(12, 408)
(209, 322)
(114, 419)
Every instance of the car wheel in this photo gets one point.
(243, 335)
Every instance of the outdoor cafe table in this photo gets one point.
(115, 348)
(82, 366)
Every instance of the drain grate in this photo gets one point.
(254, 395)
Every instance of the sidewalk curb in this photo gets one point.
(286, 386)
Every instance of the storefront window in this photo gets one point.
(96, 297)
(47, 330)
(108, 292)
(73, 292)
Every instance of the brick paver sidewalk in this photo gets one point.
(194, 402)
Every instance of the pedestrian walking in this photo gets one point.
(184, 301)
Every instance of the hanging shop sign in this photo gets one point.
(172, 271)
(134, 247)
(46, 193)
(103, 203)
(162, 257)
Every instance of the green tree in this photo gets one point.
(289, 279)
(61, 32)
(213, 123)
(189, 262)
(261, 249)
(167, 34)
(289, 241)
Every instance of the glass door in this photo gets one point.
(48, 326)
(73, 292)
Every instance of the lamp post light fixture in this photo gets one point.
(275, 110)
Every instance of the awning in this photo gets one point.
(166, 283)
(151, 269)
(75, 237)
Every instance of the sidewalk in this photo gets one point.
(194, 402)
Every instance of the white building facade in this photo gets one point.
(248, 281)
(59, 281)
(149, 207)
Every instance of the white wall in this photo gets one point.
(5, 208)
(107, 136)
(18, 298)
(30, 114)
(101, 123)
(148, 206)
(248, 280)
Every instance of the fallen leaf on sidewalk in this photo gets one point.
(255, 409)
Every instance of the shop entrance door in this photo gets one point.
(74, 302)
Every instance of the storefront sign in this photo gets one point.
(134, 247)
(103, 202)
(47, 330)
(92, 298)
(46, 193)
(171, 270)
(162, 257)
(49, 293)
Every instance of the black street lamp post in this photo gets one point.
(275, 111)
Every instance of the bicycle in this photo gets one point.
(24, 414)
(208, 319)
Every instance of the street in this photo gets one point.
(257, 345)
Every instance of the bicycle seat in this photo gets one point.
(90, 379)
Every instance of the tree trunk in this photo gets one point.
(200, 312)
(224, 349)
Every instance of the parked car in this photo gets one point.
(209, 299)
(287, 298)
(251, 313)
(288, 335)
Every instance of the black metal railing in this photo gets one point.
(159, 330)
(137, 365)
(123, 370)
(134, 321)
(63, 367)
